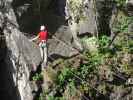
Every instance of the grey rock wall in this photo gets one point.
(21, 55)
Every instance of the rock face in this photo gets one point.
(60, 45)
(81, 19)
(83, 15)
(74, 18)
(91, 15)
(21, 55)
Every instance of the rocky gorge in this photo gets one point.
(68, 22)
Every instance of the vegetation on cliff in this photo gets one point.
(99, 73)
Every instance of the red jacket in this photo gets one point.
(43, 35)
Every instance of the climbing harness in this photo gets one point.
(43, 44)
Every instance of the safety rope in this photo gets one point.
(94, 7)
(83, 55)
(82, 80)
(77, 51)
(124, 79)
(54, 37)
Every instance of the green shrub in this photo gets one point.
(120, 3)
(103, 41)
(37, 77)
(72, 88)
(122, 23)
(64, 76)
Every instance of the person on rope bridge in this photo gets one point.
(42, 35)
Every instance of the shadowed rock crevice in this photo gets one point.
(8, 87)
(104, 9)
(30, 15)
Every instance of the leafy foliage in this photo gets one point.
(99, 64)
(122, 23)
(37, 77)
(103, 41)
(120, 3)
(76, 9)
(64, 76)
(105, 58)
(71, 88)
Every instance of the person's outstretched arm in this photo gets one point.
(35, 38)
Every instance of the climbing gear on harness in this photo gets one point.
(43, 44)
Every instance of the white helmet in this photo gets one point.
(42, 28)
